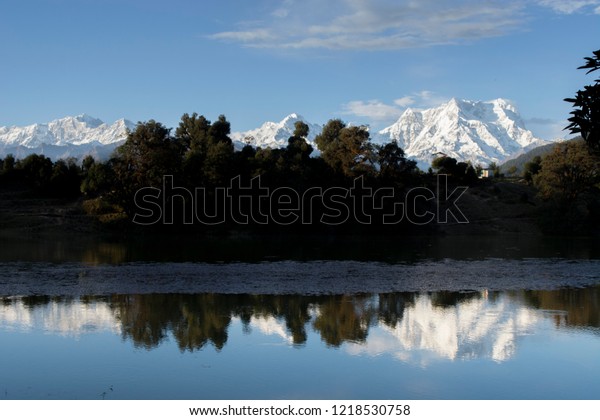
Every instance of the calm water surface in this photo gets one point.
(434, 319)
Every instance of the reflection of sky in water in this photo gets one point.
(471, 329)
(479, 347)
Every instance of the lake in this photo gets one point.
(300, 318)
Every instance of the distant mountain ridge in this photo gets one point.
(520, 161)
(275, 135)
(65, 137)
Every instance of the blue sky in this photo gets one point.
(362, 61)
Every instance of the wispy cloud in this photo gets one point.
(571, 6)
(391, 24)
(283, 10)
(379, 24)
(246, 37)
(379, 112)
(373, 110)
(546, 128)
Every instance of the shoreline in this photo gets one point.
(295, 277)
(490, 209)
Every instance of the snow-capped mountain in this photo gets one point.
(480, 132)
(275, 135)
(66, 137)
(476, 131)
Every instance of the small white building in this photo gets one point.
(487, 173)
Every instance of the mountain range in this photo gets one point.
(275, 135)
(476, 131)
(66, 137)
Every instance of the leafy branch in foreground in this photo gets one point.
(585, 118)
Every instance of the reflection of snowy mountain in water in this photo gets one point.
(476, 328)
(270, 325)
(426, 326)
(70, 318)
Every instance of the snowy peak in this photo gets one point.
(64, 137)
(476, 131)
(275, 134)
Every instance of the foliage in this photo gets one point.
(585, 118)
(532, 168)
(206, 147)
(35, 170)
(148, 154)
(98, 178)
(201, 159)
(462, 172)
(526, 157)
(347, 150)
(494, 169)
(512, 171)
(8, 164)
(301, 129)
(393, 164)
(66, 178)
(568, 172)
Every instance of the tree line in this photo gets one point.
(199, 157)
(195, 321)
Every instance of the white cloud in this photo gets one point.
(379, 112)
(392, 24)
(570, 6)
(379, 24)
(284, 10)
(427, 99)
(405, 101)
(374, 110)
(246, 37)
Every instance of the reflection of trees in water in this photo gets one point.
(41, 300)
(193, 319)
(293, 310)
(145, 319)
(449, 299)
(580, 307)
(345, 318)
(392, 305)
(196, 320)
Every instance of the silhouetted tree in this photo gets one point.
(36, 170)
(149, 153)
(393, 165)
(301, 129)
(66, 178)
(297, 162)
(532, 168)
(207, 148)
(98, 178)
(462, 172)
(8, 165)
(585, 119)
(347, 150)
